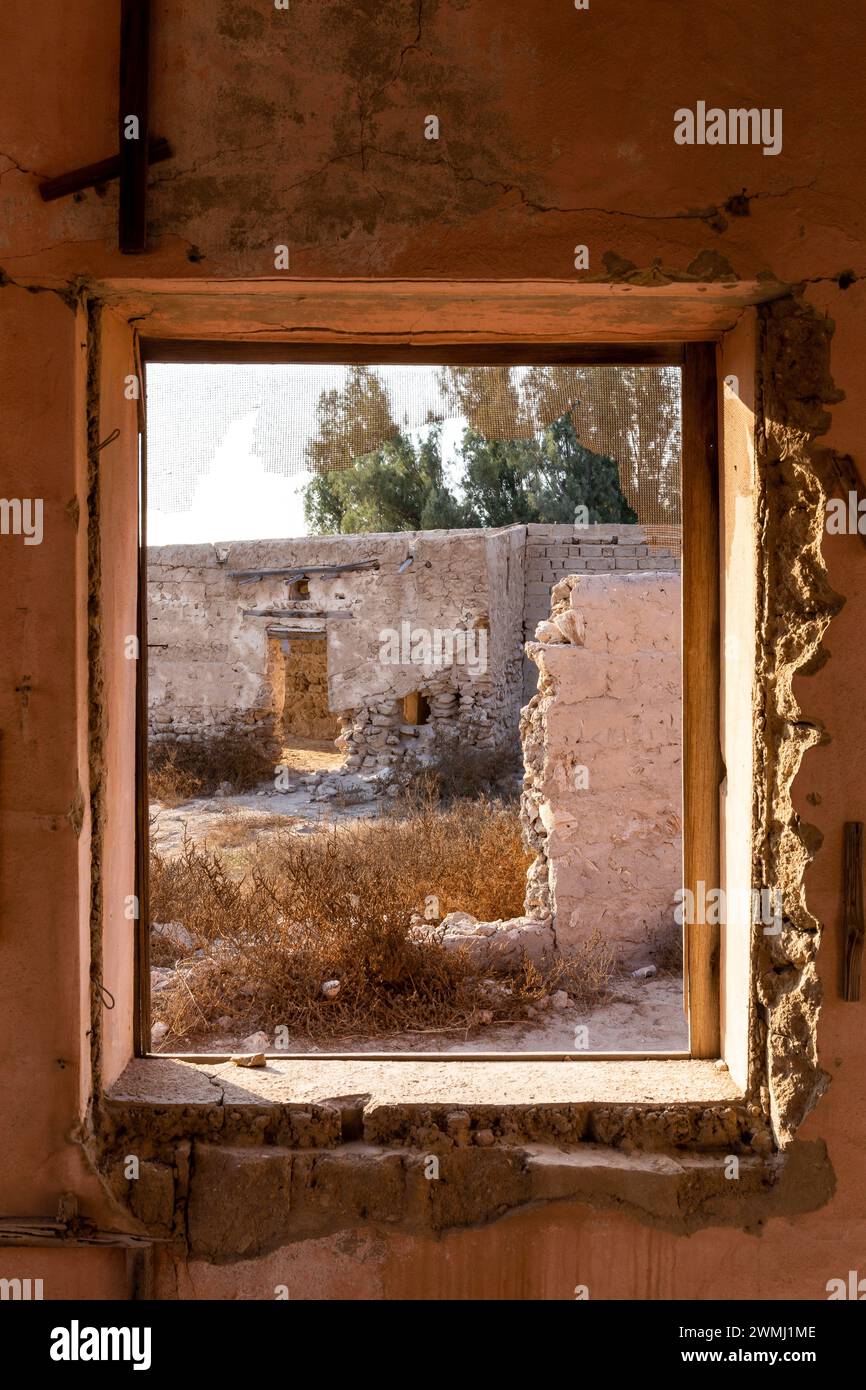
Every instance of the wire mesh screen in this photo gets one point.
(401, 446)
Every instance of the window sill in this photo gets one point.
(235, 1163)
(638, 1104)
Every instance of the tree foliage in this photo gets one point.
(398, 487)
(401, 486)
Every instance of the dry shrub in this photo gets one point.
(180, 769)
(272, 939)
(457, 771)
(469, 854)
(239, 830)
(337, 904)
(586, 973)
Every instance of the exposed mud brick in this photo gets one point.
(151, 1195)
(352, 1185)
(239, 1200)
(476, 1185)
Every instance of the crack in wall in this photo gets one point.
(15, 167)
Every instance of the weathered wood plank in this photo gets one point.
(853, 925)
(702, 759)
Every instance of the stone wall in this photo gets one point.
(214, 666)
(448, 624)
(557, 550)
(305, 701)
(602, 746)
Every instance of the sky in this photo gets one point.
(235, 500)
(226, 443)
(207, 480)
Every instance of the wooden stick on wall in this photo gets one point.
(852, 925)
(134, 104)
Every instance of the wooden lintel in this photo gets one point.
(296, 613)
(296, 572)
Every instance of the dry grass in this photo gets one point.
(459, 770)
(240, 830)
(180, 770)
(338, 905)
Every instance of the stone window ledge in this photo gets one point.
(406, 1081)
(236, 1163)
(644, 1104)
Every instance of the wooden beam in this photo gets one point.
(702, 758)
(134, 111)
(40, 1231)
(853, 925)
(141, 972)
(480, 354)
(296, 613)
(103, 171)
(293, 572)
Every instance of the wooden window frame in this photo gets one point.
(701, 643)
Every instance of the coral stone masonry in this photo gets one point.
(234, 649)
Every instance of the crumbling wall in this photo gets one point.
(553, 551)
(602, 744)
(210, 671)
(447, 624)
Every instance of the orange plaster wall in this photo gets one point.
(556, 130)
(44, 951)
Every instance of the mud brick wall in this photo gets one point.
(554, 551)
(214, 667)
(602, 796)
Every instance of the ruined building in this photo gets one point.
(290, 195)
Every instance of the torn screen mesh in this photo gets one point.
(305, 420)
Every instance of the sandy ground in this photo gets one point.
(641, 1015)
(230, 821)
(311, 755)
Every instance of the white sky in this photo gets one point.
(234, 497)
(236, 500)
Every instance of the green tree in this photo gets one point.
(497, 480)
(571, 476)
(397, 487)
(401, 486)
(629, 413)
(544, 479)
